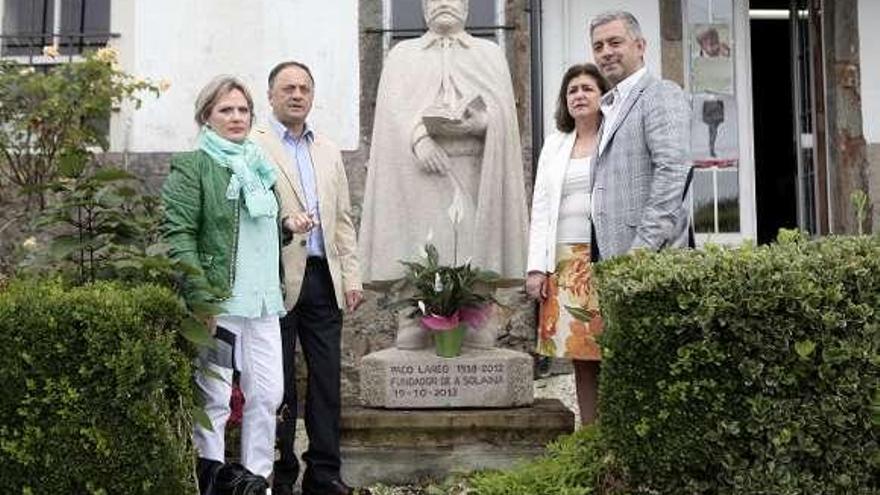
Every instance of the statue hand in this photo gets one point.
(431, 157)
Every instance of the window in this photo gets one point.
(714, 129)
(408, 20)
(76, 25)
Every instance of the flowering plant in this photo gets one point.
(445, 296)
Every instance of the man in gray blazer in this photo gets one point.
(642, 174)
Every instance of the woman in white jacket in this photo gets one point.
(559, 266)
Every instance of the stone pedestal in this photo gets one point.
(484, 378)
(404, 446)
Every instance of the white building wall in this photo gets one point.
(188, 42)
(869, 40)
(565, 35)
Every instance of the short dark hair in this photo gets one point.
(564, 120)
(290, 63)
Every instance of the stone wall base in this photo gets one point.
(405, 446)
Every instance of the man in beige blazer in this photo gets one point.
(321, 274)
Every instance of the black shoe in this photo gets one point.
(235, 479)
(206, 471)
(284, 479)
(335, 487)
(542, 366)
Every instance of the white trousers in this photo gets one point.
(256, 354)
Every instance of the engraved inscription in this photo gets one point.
(430, 383)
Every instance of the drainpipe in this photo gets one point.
(537, 81)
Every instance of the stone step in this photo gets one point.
(393, 446)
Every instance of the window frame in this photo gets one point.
(71, 44)
(741, 46)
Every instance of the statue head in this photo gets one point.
(445, 16)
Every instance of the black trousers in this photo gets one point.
(317, 321)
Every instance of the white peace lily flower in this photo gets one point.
(423, 308)
(420, 249)
(438, 284)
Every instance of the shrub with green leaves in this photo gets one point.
(97, 392)
(54, 119)
(744, 371)
(573, 465)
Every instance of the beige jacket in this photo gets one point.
(340, 239)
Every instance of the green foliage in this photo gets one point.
(859, 200)
(443, 289)
(54, 120)
(744, 371)
(97, 396)
(102, 228)
(573, 465)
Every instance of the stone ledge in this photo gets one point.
(551, 411)
(403, 446)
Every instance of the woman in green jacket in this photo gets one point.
(221, 217)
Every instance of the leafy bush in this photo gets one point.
(744, 371)
(53, 119)
(102, 228)
(574, 465)
(97, 393)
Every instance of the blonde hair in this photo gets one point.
(218, 87)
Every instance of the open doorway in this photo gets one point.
(773, 110)
(786, 96)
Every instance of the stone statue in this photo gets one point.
(445, 159)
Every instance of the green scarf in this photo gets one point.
(252, 176)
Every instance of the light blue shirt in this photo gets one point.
(257, 288)
(297, 147)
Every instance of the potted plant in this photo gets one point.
(446, 299)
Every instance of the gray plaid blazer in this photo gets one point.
(641, 193)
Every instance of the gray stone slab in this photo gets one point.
(406, 446)
(418, 379)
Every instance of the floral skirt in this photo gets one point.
(569, 320)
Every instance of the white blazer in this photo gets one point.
(546, 199)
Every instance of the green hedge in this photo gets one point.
(97, 394)
(744, 371)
